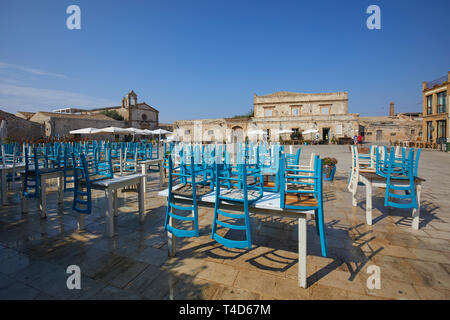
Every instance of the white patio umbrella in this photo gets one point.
(160, 132)
(285, 131)
(310, 131)
(111, 130)
(83, 131)
(134, 131)
(257, 132)
(3, 131)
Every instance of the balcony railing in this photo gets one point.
(436, 82)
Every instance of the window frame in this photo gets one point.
(441, 108)
(430, 104)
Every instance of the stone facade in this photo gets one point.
(136, 115)
(325, 112)
(21, 129)
(435, 109)
(389, 129)
(60, 124)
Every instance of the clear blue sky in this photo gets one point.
(205, 59)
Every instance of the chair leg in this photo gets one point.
(323, 240)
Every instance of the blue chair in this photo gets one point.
(82, 200)
(31, 180)
(303, 190)
(237, 195)
(86, 171)
(401, 171)
(187, 176)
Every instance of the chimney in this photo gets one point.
(391, 110)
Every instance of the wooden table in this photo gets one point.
(4, 174)
(151, 162)
(110, 186)
(269, 205)
(44, 175)
(371, 180)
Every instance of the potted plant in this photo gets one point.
(329, 168)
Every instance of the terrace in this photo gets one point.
(134, 264)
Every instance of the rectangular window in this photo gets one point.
(442, 129)
(429, 131)
(442, 102)
(187, 132)
(429, 104)
(295, 130)
(325, 110)
(268, 112)
(210, 132)
(295, 111)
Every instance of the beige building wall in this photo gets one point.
(292, 104)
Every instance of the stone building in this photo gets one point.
(21, 129)
(435, 109)
(136, 115)
(60, 124)
(325, 112)
(401, 127)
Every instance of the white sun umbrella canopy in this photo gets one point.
(310, 131)
(285, 131)
(160, 132)
(134, 131)
(111, 130)
(83, 131)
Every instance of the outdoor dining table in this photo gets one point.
(4, 174)
(44, 175)
(268, 205)
(151, 162)
(371, 179)
(111, 186)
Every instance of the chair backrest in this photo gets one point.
(304, 184)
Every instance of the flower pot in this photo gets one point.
(329, 172)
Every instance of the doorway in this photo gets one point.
(379, 135)
(326, 134)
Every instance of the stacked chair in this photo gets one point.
(193, 181)
(302, 189)
(232, 186)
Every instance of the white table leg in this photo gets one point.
(60, 188)
(4, 188)
(369, 204)
(23, 200)
(109, 213)
(81, 222)
(171, 241)
(141, 195)
(302, 251)
(416, 212)
(116, 211)
(144, 172)
(161, 174)
(43, 197)
(354, 202)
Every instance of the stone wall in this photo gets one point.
(283, 104)
(21, 129)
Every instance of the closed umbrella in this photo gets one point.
(3, 131)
